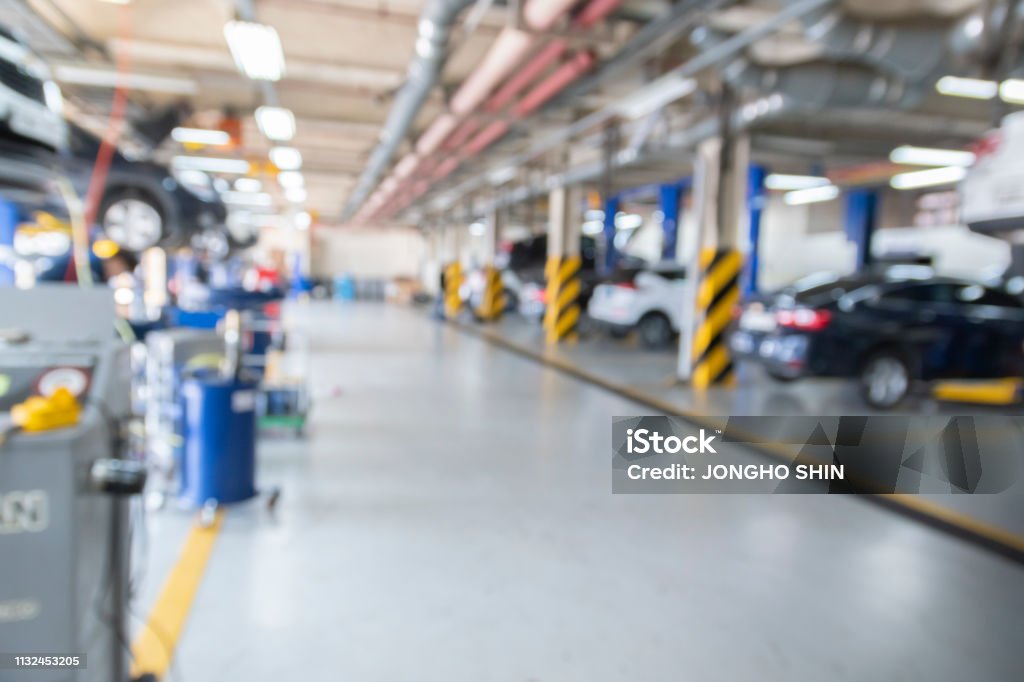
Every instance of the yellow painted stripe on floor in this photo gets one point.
(154, 647)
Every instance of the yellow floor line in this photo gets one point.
(154, 647)
(925, 508)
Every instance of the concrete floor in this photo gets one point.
(450, 518)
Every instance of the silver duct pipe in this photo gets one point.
(913, 53)
(817, 85)
(822, 85)
(435, 26)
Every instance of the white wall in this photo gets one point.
(368, 252)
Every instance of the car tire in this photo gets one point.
(133, 220)
(885, 379)
(655, 331)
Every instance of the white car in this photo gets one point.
(992, 194)
(30, 102)
(650, 301)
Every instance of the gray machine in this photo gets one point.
(64, 493)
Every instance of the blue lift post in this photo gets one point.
(8, 226)
(671, 199)
(611, 254)
(757, 197)
(861, 220)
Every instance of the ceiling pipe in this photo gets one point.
(540, 15)
(653, 36)
(529, 73)
(817, 83)
(579, 64)
(435, 26)
(460, 136)
(914, 53)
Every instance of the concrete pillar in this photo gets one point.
(453, 272)
(493, 302)
(720, 187)
(563, 267)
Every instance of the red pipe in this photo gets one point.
(595, 12)
(486, 137)
(529, 73)
(543, 13)
(555, 83)
(462, 134)
(445, 169)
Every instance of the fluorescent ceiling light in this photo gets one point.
(214, 138)
(290, 179)
(256, 49)
(248, 185)
(303, 220)
(928, 178)
(782, 181)
(247, 198)
(1012, 91)
(811, 195)
(276, 123)
(972, 88)
(286, 158)
(477, 229)
(109, 78)
(656, 95)
(296, 195)
(924, 156)
(211, 164)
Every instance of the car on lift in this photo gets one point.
(650, 300)
(892, 330)
(31, 107)
(992, 193)
(145, 204)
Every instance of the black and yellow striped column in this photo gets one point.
(493, 303)
(563, 292)
(452, 290)
(718, 293)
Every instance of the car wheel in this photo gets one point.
(885, 379)
(655, 331)
(133, 221)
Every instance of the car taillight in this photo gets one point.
(804, 319)
(625, 285)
